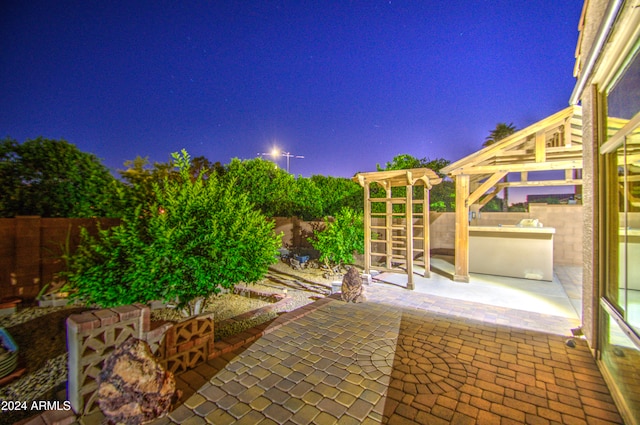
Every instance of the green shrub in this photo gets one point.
(340, 238)
(194, 239)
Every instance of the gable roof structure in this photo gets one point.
(554, 143)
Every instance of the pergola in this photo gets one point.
(398, 222)
(554, 143)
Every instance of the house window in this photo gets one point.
(620, 302)
(623, 197)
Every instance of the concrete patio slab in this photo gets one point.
(549, 297)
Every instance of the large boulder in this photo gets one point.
(133, 387)
(352, 289)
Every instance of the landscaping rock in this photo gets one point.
(352, 288)
(133, 387)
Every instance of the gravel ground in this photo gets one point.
(41, 334)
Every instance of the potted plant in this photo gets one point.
(8, 353)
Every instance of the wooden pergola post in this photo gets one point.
(389, 228)
(367, 228)
(462, 229)
(409, 236)
(426, 229)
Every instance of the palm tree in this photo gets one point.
(501, 131)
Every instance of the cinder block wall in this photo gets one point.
(93, 335)
(566, 219)
(442, 231)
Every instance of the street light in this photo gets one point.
(275, 152)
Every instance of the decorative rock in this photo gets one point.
(352, 288)
(133, 387)
(295, 264)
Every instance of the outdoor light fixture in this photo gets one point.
(276, 153)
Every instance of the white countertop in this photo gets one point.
(512, 229)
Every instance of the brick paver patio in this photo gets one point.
(402, 357)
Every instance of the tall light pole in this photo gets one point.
(275, 152)
(289, 156)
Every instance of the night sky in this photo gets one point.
(347, 84)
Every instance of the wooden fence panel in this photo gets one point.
(31, 250)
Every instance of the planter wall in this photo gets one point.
(93, 335)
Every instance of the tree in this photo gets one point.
(139, 176)
(338, 192)
(196, 238)
(201, 165)
(402, 162)
(306, 200)
(268, 187)
(501, 131)
(340, 238)
(442, 196)
(405, 161)
(53, 178)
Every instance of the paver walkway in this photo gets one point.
(403, 357)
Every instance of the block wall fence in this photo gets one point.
(30, 247)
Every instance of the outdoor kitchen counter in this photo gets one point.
(522, 252)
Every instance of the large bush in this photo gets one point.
(340, 238)
(441, 196)
(53, 178)
(268, 187)
(194, 239)
(337, 193)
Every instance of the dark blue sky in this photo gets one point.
(347, 84)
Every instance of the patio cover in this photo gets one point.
(554, 143)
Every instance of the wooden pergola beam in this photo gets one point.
(541, 183)
(513, 140)
(512, 168)
(482, 189)
(541, 146)
(489, 197)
